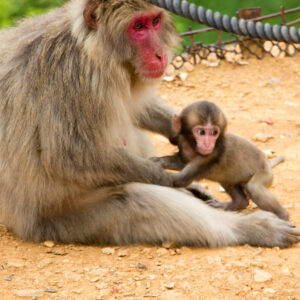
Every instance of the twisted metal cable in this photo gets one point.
(233, 25)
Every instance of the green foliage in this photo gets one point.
(11, 11)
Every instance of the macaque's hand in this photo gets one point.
(179, 181)
(166, 179)
(176, 179)
(160, 161)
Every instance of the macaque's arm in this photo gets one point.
(157, 117)
(193, 170)
(172, 162)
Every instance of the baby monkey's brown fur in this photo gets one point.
(240, 167)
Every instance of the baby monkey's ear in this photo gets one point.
(176, 124)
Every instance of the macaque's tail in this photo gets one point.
(276, 161)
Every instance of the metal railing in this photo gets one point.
(238, 47)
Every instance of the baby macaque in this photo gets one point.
(207, 151)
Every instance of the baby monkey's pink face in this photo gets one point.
(205, 137)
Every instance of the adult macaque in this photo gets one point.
(207, 151)
(77, 88)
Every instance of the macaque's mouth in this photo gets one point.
(154, 73)
(204, 151)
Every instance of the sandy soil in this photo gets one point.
(262, 90)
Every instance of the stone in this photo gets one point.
(270, 153)
(141, 266)
(274, 81)
(170, 285)
(28, 293)
(262, 137)
(183, 76)
(9, 278)
(162, 251)
(269, 291)
(108, 251)
(49, 244)
(17, 263)
(51, 290)
(285, 272)
(122, 253)
(261, 275)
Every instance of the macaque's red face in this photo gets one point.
(206, 137)
(144, 32)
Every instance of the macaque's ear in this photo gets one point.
(225, 130)
(225, 125)
(177, 124)
(91, 14)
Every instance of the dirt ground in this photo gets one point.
(260, 91)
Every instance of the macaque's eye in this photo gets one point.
(155, 20)
(139, 26)
(201, 131)
(214, 132)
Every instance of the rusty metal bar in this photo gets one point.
(286, 12)
(197, 31)
(283, 19)
(293, 22)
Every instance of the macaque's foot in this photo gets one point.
(216, 203)
(231, 206)
(265, 229)
(200, 192)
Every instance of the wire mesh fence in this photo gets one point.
(237, 48)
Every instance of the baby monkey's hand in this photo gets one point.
(159, 160)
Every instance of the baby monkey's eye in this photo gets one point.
(214, 132)
(201, 131)
(155, 21)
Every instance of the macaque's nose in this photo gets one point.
(159, 56)
(206, 141)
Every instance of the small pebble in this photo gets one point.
(170, 285)
(49, 244)
(108, 251)
(9, 278)
(262, 137)
(141, 266)
(51, 290)
(261, 275)
(28, 293)
(122, 253)
(285, 272)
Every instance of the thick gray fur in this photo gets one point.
(72, 151)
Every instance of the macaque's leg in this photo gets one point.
(258, 192)
(150, 214)
(172, 162)
(238, 199)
